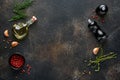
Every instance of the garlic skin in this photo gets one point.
(14, 43)
(6, 33)
(96, 50)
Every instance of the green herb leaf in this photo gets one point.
(18, 17)
(18, 10)
(23, 5)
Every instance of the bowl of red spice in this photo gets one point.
(16, 61)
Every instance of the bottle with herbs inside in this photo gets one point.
(101, 10)
(20, 30)
(100, 35)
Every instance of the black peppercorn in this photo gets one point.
(101, 10)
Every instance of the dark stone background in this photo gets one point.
(60, 41)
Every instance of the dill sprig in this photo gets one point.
(23, 5)
(18, 10)
(17, 17)
(101, 58)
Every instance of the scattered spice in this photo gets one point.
(9, 40)
(101, 58)
(102, 20)
(6, 34)
(22, 71)
(95, 17)
(28, 69)
(96, 50)
(14, 43)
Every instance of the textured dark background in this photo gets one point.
(60, 41)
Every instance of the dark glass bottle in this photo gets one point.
(101, 10)
(94, 27)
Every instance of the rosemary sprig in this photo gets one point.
(23, 5)
(18, 10)
(101, 58)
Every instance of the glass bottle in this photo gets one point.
(101, 10)
(100, 35)
(20, 30)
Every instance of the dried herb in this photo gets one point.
(18, 10)
(96, 63)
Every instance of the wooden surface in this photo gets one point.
(60, 41)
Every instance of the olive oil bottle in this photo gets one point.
(20, 30)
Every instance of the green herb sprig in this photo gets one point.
(23, 5)
(18, 10)
(101, 58)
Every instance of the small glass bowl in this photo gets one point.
(16, 61)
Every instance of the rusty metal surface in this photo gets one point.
(60, 41)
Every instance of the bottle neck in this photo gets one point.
(31, 21)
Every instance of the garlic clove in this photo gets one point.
(96, 50)
(6, 33)
(14, 43)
